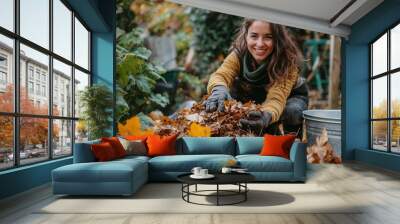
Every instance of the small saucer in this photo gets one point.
(208, 176)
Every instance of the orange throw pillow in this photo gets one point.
(161, 145)
(103, 151)
(275, 145)
(116, 145)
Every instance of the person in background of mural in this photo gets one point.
(263, 66)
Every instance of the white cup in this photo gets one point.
(226, 170)
(196, 171)
(203, 172)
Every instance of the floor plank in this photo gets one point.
(377, 190)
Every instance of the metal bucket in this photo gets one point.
(317, 120)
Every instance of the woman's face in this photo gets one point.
(259, 40)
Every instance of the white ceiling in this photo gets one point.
(318, 15)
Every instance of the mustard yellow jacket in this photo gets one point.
(277, 94)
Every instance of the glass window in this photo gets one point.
(62, 29)
(44, 91)
(379, 56)
(395, 47)
(6, 73)
(81, 81)
(81, 45)
(35, 21)
(34, 80)
(30, 87)
(62, 74)
(37, 74)
(379, 133)
(34, 142)
(30, 72)
(3, 78)
(379, 98)
(37, 89)
(3, 61)
(7, 14)
(385, 128)
(395, 95)
(395, 136)
(62, 137)
(6, 142)
(81, 131)
(40, 62)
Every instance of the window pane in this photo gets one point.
(395, 94)
(33, 139)
(6, 142)
(81, 131)
(7, 14)
(379, 55)
(34, 72)
(6, 74)
(62, 89)
(379, 135)
(379, 97)
(81, 81)
(62, 138)
(35, 21)
(395, 136)
(81, 45)
(395, 47)
(62, 29)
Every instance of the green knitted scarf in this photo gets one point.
(258, 75)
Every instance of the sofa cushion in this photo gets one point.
(116, 145)
(257, 163)
(277, 145)
(134, 147)
(185, 163)
(112, 171)
(206, 145)
(83, 152)
(103, 152)
(249, 145)
(159, 145)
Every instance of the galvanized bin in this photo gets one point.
(317, 120)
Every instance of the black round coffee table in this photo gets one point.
(238, 179)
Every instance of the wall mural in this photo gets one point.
(201, 73)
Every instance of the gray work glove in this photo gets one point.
(256, 121)
(216, 100)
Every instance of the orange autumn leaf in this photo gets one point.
(132, 127)
(198, 130)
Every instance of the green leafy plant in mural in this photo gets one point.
(213, 34)
(136, 77)
(96, 102)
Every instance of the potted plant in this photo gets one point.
(96, 104)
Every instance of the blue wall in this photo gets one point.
(99, 15)
(355, 86)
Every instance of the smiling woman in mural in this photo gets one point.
(263, 66)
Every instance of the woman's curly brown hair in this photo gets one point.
(284, 59)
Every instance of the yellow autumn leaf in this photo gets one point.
(132, 127)
(198, 130)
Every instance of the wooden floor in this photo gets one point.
(377, 188)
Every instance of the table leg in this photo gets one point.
(245, 193)
(217, 194)
(196, 188)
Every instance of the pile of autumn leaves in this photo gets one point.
(196, 122)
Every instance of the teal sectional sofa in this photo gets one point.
(125, 176)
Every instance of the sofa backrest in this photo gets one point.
(249, 145)
(83, 152)
(206, 145)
